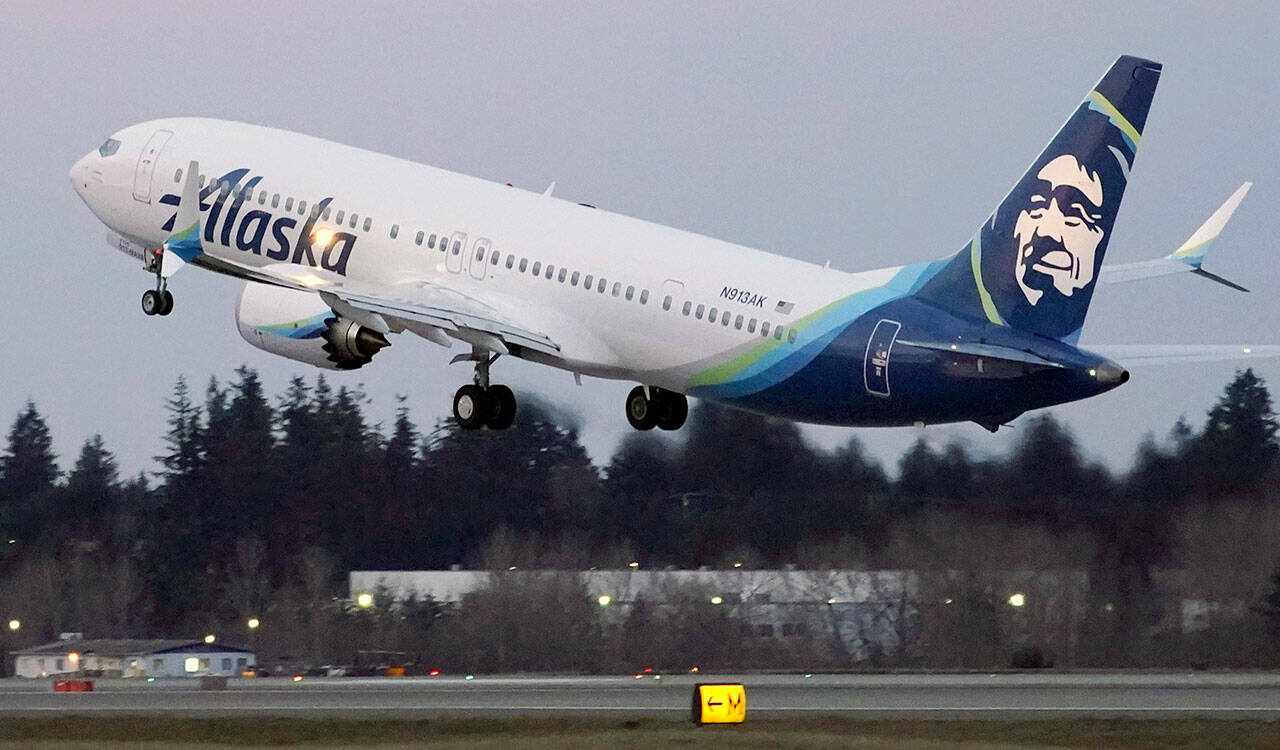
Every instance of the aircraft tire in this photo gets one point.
(640, 410)
(673, 410)
(166, 303)
(152, 302)
(502, 407)
(470, 405)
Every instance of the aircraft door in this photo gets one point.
(147, 165)
(479, 258)
(453, 253)
(875, 364)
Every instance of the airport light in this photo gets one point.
(253, 623)
(737, 565)
(831, 600)
(633, 564)
(604, 600)
(14, 625)
(364, 600)
(1017, 600)
(73, 657)
(717, 599)
(209, 638)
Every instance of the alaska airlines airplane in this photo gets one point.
(340, 248)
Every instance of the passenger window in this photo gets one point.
(791, 335)
(617, 288)
(537, 267)
(354, 219)
(262, 198)
(368, 223)
(431, 243)
(493, 259)
(724, 321)
(418, 240)
(524, 264)
(631, 292)
(395, 229)
(687, 306)
(600, 285)
(586, 284)
(480, 254)
(177, 176)
(644, 297)
(737, 322)
(325, 215)
(341, 215)
(201, 180)
(698, 313)
(288, 203)
(711, 316)
(457, 246)
(551, 270)
(751, 326)
(764, 329)
(563, 273)
(302, 207)
(777, 333)
(511, 261)
(666, 302)
(275, 200)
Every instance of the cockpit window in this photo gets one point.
(109, 147)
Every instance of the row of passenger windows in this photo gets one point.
(339, 217)
(549, 271)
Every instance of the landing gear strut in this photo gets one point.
(649, 407)
(158, 301)
(481, 404)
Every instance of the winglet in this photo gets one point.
(1192, 251)
(184, 244)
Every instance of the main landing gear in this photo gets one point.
(481, 404)
(158, 301)
(649, 407)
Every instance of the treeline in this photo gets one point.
(262, 505)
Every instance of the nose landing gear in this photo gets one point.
(158, 301)
(649, 407)
(481, 404)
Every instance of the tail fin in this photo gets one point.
(1033, 264)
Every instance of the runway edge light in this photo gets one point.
(719, 703)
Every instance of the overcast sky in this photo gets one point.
(868, 135)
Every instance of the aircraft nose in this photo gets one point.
(81, 173)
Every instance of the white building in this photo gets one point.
(132, 658)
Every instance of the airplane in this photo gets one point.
(341, 248)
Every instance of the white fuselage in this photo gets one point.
(609, 334)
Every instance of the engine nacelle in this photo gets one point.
(300, 326)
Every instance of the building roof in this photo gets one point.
(127, 647)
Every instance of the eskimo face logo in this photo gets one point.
(226, 225)
(1059, 230)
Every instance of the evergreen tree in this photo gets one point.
(1238, 444)
(28, 471)
(88, 504)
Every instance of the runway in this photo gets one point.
(915, 696)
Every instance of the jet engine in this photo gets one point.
(300, 326)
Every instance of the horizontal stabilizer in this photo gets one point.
(1189, 256)
(1167, 354)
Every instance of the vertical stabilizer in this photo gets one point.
(1033, 264)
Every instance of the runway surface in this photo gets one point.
(916, 696)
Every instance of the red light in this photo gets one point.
(434, 673)
(648, 669)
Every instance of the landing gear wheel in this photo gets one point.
(502, 407)
(640, 410)
(166, 300)
(152, 302)
(673, 409)
(470, 406)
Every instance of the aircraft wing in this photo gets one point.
(1165, 354)
(1189, 256)
(427, 308)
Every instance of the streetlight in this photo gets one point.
(717, 599)
(364, 600)
(14, 625)
(1017, 600)
(604, 600)
(253, 623)
(209, 638)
